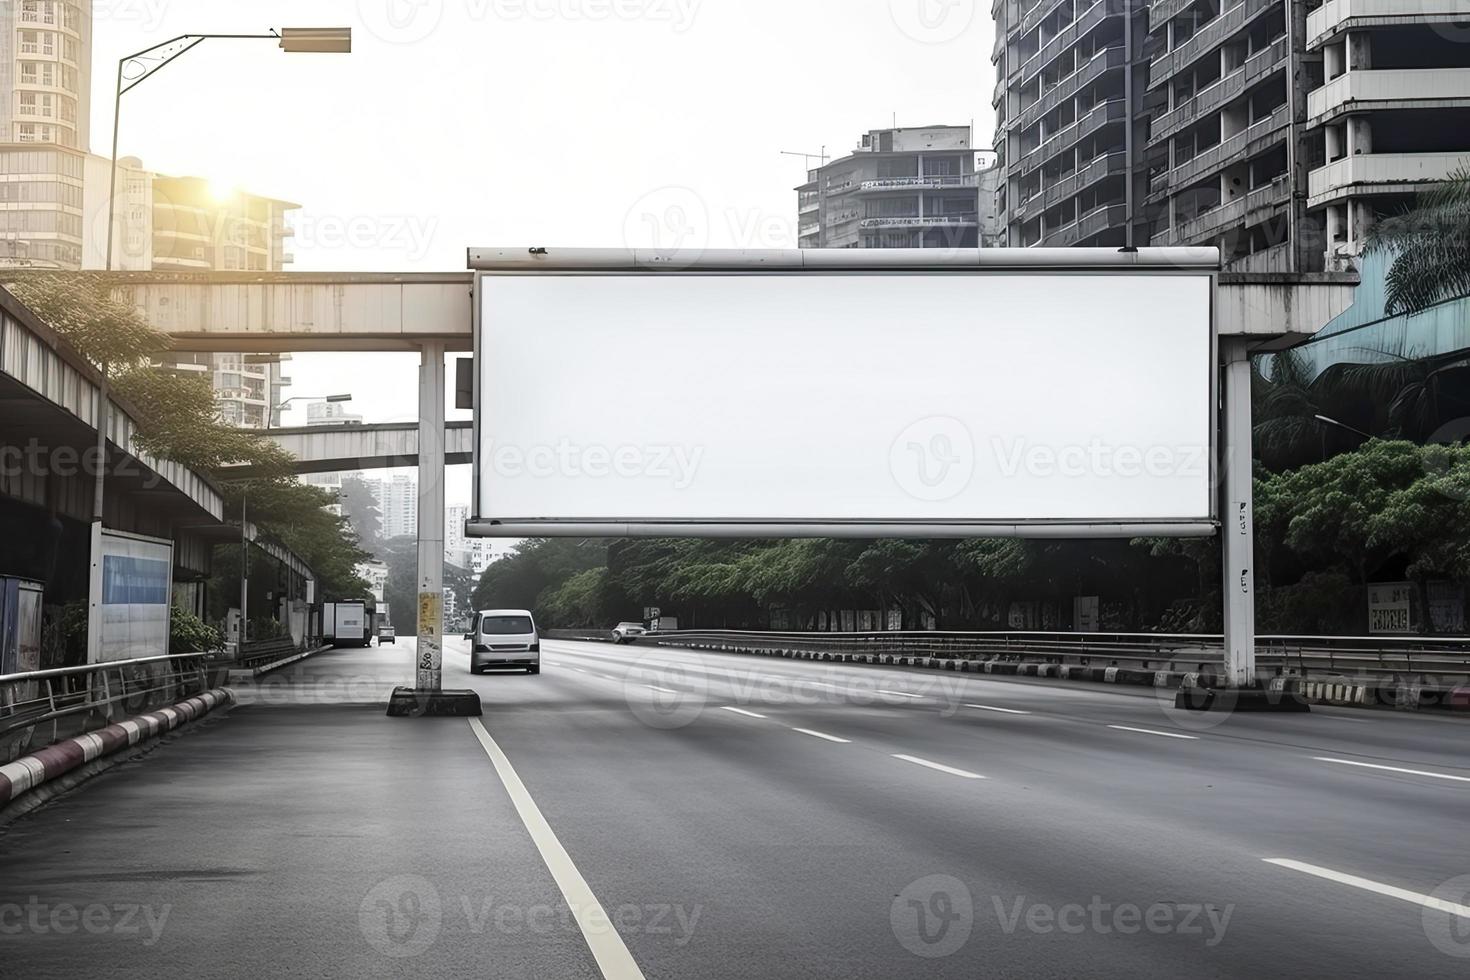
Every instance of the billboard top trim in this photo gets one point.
(525, 259)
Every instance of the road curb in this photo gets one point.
(32, 771)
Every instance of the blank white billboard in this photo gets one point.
(974, 402)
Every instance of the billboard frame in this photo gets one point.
(1190, 261)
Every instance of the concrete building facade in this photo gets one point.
(900, 188)
(1061, 129)
(398, 505)
(1277, 130)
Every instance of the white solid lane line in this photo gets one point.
(1410, 772)
(742, 711)
(900, 694)
(1006, 711)
(830, 738)
(1428, 901)
(1150, 731)
(612, 956)
(660, 690)
(963, 774)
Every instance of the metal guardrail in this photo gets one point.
(42, 707)
(1442, 662)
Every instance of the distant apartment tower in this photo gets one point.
(1062, 120)
(398, 506)
(320, 413)
(900, 188)
(474, 554)
(45, 118)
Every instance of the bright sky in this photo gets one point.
(458, 123)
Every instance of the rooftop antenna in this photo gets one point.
(807, 158)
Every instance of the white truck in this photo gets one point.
(345, 624)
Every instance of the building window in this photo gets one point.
(29, 43)
(27, 132)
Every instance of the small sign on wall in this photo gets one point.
(1390, 607)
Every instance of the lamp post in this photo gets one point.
(330, 40)
(329, 399)
(293, 40)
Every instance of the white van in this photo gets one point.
(505, 638)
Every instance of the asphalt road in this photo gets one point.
(747, 817)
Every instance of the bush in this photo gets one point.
(187, 633)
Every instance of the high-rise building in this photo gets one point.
(1277, 130)
(398, 506)
(1062, 125)
(900, 188)
(474, 554)
(326, 413)
(45, 119)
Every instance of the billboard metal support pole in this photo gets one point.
(429, 673)
(1237, 518)
(427, 696)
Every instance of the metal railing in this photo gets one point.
(42, 707)
(1441, 662)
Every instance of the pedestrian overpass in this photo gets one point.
(434, 314)
(338, 448)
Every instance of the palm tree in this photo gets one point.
(1431, 246)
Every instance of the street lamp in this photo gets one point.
(329, 399)
(293, 40)
(1343, 425)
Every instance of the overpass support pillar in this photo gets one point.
(1237, 517)
(427, 696)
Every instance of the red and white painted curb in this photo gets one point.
(28, 772)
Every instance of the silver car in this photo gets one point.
(505, 638)
(623, 632)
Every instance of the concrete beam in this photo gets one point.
(335, 448)
(1279, 310)
(302, 311)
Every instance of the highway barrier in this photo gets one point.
(1407, 672)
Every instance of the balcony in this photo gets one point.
(1248, 210)
(930, 183)
(1397, 88)
(1069, 136)
(1209, 37)
(1380, 173)
(1101, 62)
(1335, 16)
(1224, 90)
(808, 229)
(921, 221)
(1085, 176)
(1067, 37)
(1094, 222)
(1223, 153)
